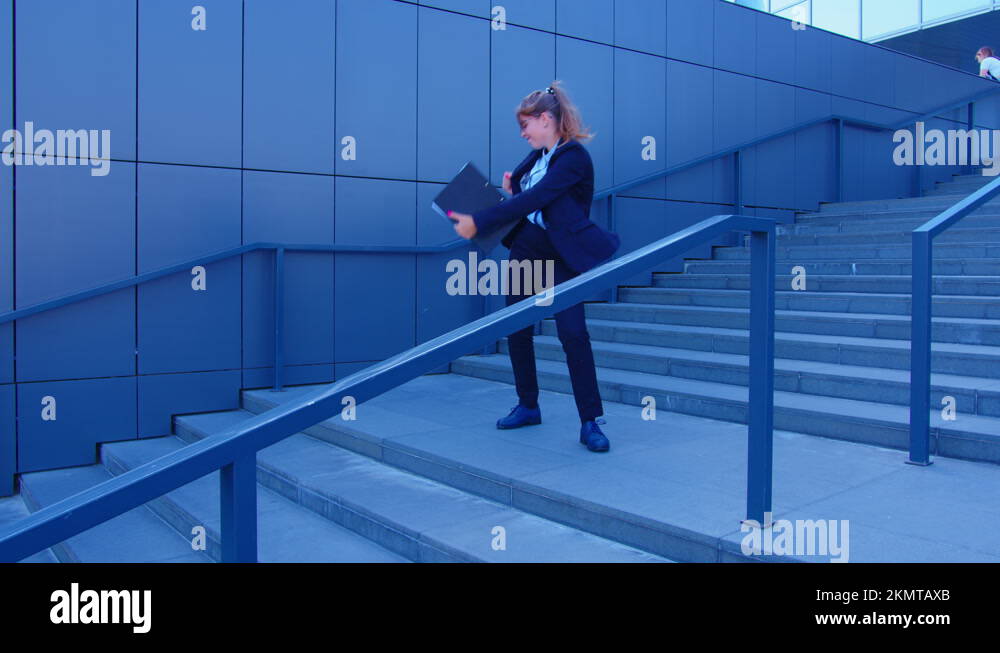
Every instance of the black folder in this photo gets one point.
(470, 191)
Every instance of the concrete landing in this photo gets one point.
(674, 486)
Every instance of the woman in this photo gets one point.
(989, 66)
(551, 190)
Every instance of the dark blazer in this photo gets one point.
(564, 195)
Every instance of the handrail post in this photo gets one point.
(738, 195)
(840, 159)
(970, 125)
(238, 492)
(487, 349)
(760, 421)
(920, 350)
(279, 318)
(611, 227)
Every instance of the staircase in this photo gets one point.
(423, 475)
(842, 359)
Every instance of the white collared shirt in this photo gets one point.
(531, 178)
(992, 65)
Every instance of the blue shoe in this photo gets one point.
(592, 436)
(520, 416)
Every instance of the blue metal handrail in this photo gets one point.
(234, 450)
(279, 273)
(920, 320)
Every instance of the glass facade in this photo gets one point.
(872, 20)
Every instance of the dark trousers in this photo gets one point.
(532, 243)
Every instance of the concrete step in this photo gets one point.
(674, 485)
(958, 187)
(976, 180)
(972, 395)
(970, 437)
(870, 251)
(956, 190)
(138, 535)
(989, 267)
(889, 236)
(865, 325)
(973, 306)
(286, 532)
(984, 286)
(417, 518)
(946, 358)
(12, 510)
(977, 174)
(927, 202)
(882, 220)
(444, 444)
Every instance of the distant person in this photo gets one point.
(989, 66)
(551, 190)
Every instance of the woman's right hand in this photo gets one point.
(506, 182)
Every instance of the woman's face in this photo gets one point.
(537, 130)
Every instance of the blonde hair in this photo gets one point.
(569, 125)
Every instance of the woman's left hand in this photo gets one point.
(465, 226)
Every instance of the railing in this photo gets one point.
(279, 274)
(920, 320)
(234, 450)
(737, 150)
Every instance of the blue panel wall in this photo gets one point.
(87, 223)
(288, 208)
(736, 36)
(640, 26)
(76, 67)
(640, 112)
(590, 19)
(288, 87)
(161, 396)
(775, 49)
(690, 131)
(188, 320)
(453, 97)
(374, 211)
(773, 161)
(6, 202)
(336, 122)
(691, 30)
(537, 14)
(815, 151)
(813, 61)
(479, 8)
(190, 82)
(61, 422)
(8, 422)
(376, 102)
(8, 439)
